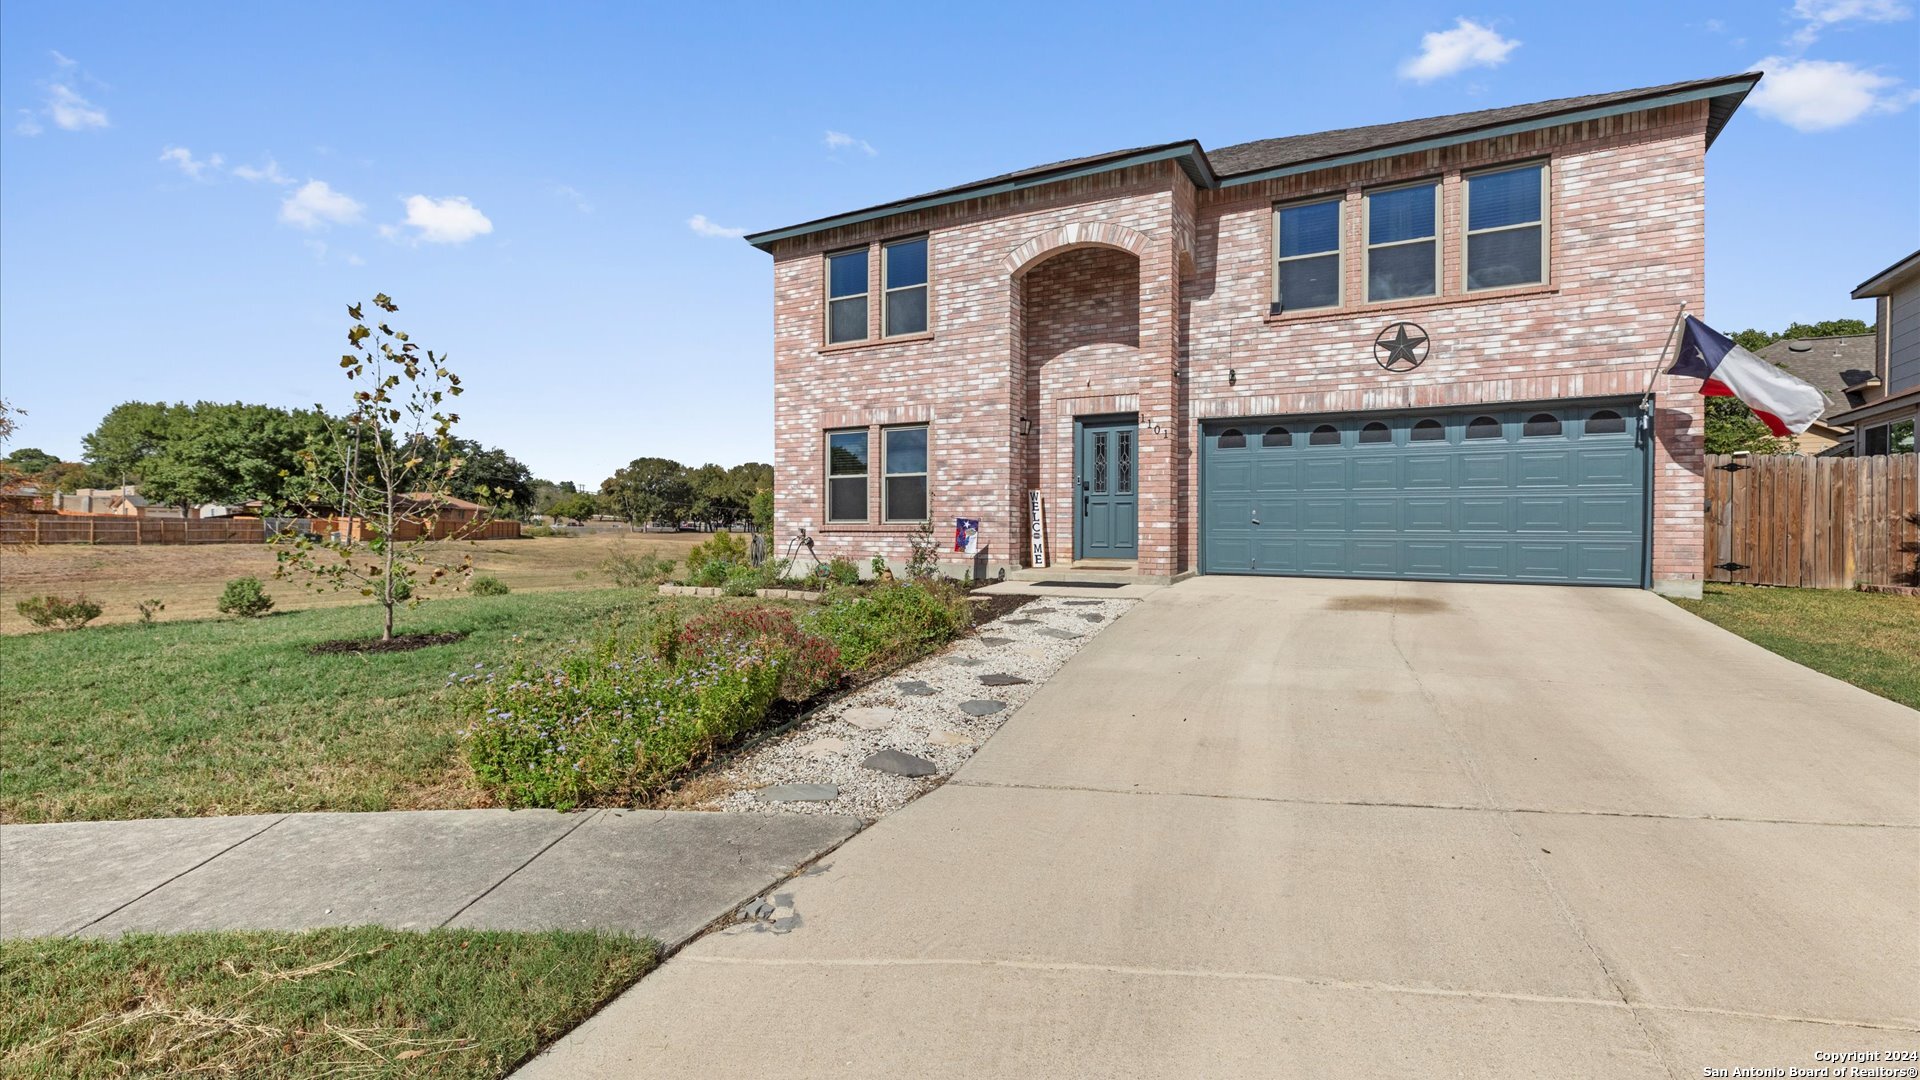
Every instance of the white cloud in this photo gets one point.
(62, 59)
(1817, 15)
(573, 195)
(70, 111)
(699, 223)
(452, 220)
(270, 172)
(840, 140)
(316, 205)
(28, 125)
(1816, 95)
(1450, 52)
(194, 167)
(355, 260)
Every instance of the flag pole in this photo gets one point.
(1665, 349)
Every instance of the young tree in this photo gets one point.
(386, 470)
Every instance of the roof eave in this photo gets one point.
(1883, 282)
(1726, 96)
(1188, 155)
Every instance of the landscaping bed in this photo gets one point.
(362, 1002)
(1871, 640)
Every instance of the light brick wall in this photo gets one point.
(1028, 320)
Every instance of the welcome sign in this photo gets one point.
(1037, 515)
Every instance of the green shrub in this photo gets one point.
(613, 721)
(68, 613)
(923, 560)
(724, 548)
(631, 571)
(150, 608)
(743, 580)
(891, 623)
(843, 571)
(488, 585)
(245, 598)
(543, 531)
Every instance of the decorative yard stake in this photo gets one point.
(386, 472)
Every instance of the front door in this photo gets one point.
(1106, 477)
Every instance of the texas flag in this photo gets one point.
(1785, 404)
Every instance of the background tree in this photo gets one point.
(31, 460)
(546, 493)
(1755, 340)
(232, 453)
(577, 507)
(649, 489)
(127, 437)
(387, 466)
(491, 477)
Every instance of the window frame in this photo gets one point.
(828, 477)
(1467, 232)
(886, 292)
(925, 475)
(828, 299)
(1339, 253)
(1367, 245)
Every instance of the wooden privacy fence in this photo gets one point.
(114, 529)
(441, 528)
(1817, 523)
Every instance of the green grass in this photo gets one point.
(235, 716)
(364, 1002)
(1871, 640)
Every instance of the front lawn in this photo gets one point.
(236, 716)
(363, 1002)
(1871, 640)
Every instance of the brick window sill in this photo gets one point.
(856, 527)
(1425, 302)
(875, 343)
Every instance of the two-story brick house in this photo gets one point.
(1416, 350)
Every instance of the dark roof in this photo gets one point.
(1883, 282)
(1294, 150)
(1836, 366)
(1246, 162)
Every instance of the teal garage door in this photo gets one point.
(1549, 493)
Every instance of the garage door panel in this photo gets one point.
(1375, 515)
(1533, 501)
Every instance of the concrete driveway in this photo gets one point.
(1291, 827)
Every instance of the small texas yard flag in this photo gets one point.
(1783, 403)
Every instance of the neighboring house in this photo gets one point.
(1883, 421)
(1411, 350)
(123, 501)
(1841, 368)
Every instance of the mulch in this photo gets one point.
(397, 643)
(990, 606)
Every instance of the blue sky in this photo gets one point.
(552, 192)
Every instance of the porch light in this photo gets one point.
(1026, 426)
(1233, 377)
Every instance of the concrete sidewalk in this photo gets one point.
(661, 874)
(1296, 828)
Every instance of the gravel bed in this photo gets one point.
(828, 746)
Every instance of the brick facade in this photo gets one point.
(1134, 291)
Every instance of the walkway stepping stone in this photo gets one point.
(826, 748)
(1093, 616)
(899, 764)
(949, 738)
(982, 707)
(1036, 650)
(995, 641)
(780, 793)
(1017, 620)
(999, 678)
(1064, 635)
(965, 661)
(870, 718)
(1078, 603)
(915, 687)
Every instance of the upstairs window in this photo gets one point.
(846, 476)
(905, 267)
(847, 297)
(1506, 234)
(1403, 250)
(1307, 247)
(903, 452)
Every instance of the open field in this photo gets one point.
(364, 1002)
(229, 716)
(1871, 640)
(189, 578)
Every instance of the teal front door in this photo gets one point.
(1106, 478)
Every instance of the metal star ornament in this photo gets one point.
(1402, 346)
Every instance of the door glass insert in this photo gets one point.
(1124, 483)
(1100, 463)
